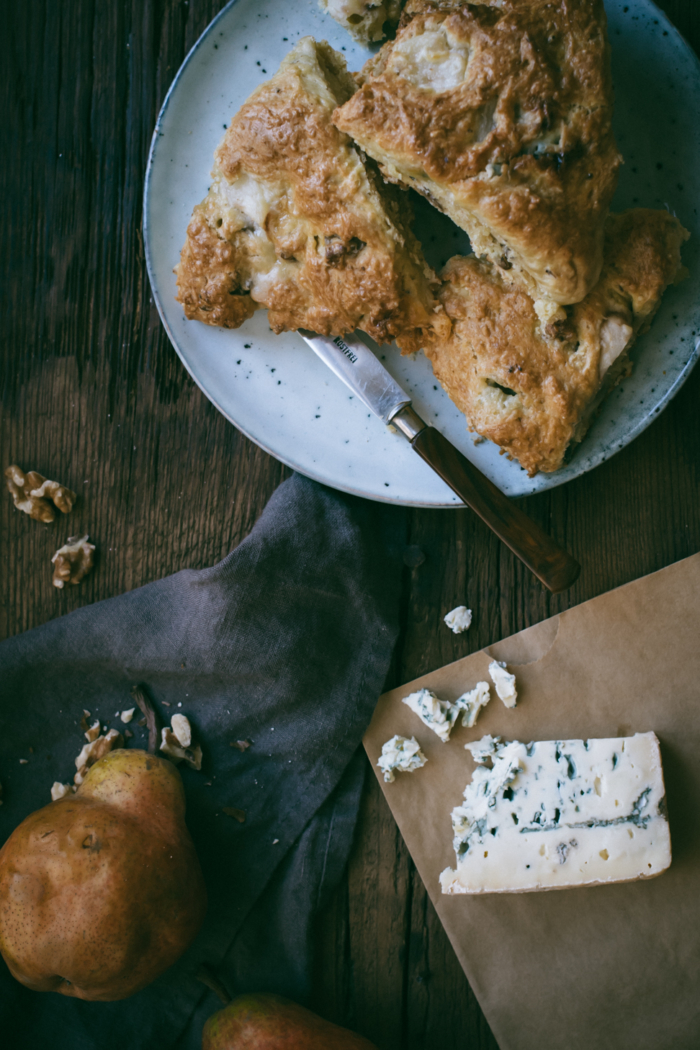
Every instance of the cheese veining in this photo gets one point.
(472, 702)
(438, 715)
(400, 754)
(558, 813)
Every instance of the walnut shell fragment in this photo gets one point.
(237, 814)
(94, 751)
(73, 561)
(182, 729)
(172, 743)
(93, 731)
(36, 496)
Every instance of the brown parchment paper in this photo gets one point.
(613, 967)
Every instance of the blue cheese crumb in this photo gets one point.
(459, 619)
(504, 682)
(438, 715)
(400, 754)
(472, 702)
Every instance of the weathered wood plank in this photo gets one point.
(92, 393)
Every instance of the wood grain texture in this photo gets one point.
(91, 393)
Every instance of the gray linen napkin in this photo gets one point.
(286, 642)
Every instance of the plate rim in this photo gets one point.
(604, 454)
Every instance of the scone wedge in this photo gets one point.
(295, 220)
(499, 112)
(529, 377)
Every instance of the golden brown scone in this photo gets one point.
(499, 112)
(527, 374)
(295, 220)
(364, 19)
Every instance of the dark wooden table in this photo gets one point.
(94, 395)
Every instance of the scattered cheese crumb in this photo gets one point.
(459, 619)
(472, 702)
(504, 682)
(59, 790)
(402, 754)
(24, 761)
(275, 841)
(438, 715)
(126, 716)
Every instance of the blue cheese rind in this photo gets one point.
(560, 813)
(400, 754)
(438, 715)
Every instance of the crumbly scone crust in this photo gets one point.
(296, 222)
(500, 113)
(364, 19)
(530, 383)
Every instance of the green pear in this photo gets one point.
(102, 890)
(268, 1022)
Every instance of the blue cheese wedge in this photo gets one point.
(560, 813)
(504, 682)
(459, 620)
(438, 715)
(472, 702)
(400, 754)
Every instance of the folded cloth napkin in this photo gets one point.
(286, 643)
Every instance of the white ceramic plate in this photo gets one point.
(275, 389)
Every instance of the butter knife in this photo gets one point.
(355, 364)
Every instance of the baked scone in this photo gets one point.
(364, 19)
(499, 112)
(295, 221)
(530, 378)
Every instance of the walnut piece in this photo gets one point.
(73, 561)
(59, 790)
(36, 496)
(237, 814)
(171, 746)
(92, 732)
(182, 729)
(94, 751)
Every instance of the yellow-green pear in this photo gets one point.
(102, 890)
(269, 1022)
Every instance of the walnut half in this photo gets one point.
(73, 561)
(36, 496)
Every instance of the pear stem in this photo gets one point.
(139, 694)
(205, 975)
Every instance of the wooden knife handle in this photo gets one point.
(550, 563)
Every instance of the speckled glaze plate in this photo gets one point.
(275, 389)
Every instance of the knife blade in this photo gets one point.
(355, 364)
